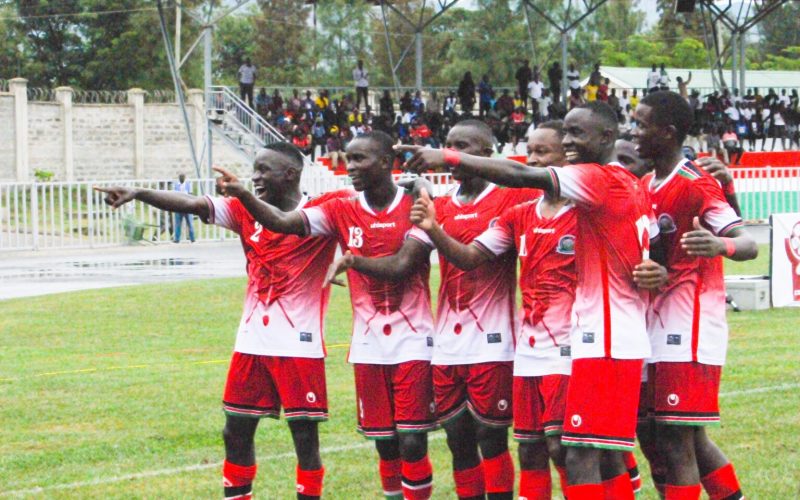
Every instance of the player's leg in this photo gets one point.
(553, 390)
(250, 394)
(716, 473)
(414, 413)
(617, 482)
(450, 393)
(534, 475)
(490, 391)
(646, 431)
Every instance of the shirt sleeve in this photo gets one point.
(318, 220)
(499, 238)
(583, 184)
(421, 236)
(221, 212)
(718, 215)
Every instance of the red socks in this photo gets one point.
(633, 471)
(417, 479)
(535, 484)
(618, 488)
(469, 482)
(238, 480)
(585, 492)
(309, 482)
(390, 478)
(689, 492)
(498, 473)
(722, 483)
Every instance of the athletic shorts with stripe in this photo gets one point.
(482, 388)
(394, 398)
(258, 386)
(644, 413)
(539, 405)
(602, 400)
(685, 393)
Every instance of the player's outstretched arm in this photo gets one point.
(466, 257)
(116, 196)
(736, 245)
(269, 217)
(498, 170)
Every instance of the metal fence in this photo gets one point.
(41, 94)
(51, 215)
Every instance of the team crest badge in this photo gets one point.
(576, 420)
(566, 245)
(673, 400)
(502, 405)
(493, 222)
(665, 224)
(311, 397)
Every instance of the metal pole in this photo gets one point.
(733, 62)
(418, 39)
(530, 33)
(564, 86)
(178, 14)
(209, 33)
(742, 64)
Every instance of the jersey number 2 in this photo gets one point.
(356, 239)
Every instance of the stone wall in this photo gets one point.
(7, 137)
(45, 139)
(103, 136)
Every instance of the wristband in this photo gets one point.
(452, 157)
(728, 188)
(730, 247)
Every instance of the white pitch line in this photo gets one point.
(179, 470)
(331, 450)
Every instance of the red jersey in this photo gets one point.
(392, 321)
(475, 319)
(614, 227)
(546, 250)
(285, 303)
(687, 318)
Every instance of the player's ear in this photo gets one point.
(292, 174)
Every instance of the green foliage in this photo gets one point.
(788, 59)
(43, 175)
(689, 53)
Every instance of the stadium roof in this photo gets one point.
(621, 77)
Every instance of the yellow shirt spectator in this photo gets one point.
(591, 92)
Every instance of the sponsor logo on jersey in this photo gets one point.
(566, 351)
(465, 216)
(429, 341)
(673, 400)
(311, 397)
(382, 225)
(588, 337)
(493, 338)
(502, 405)
(566, 245)
(305, 336)
(432, 407)
(666, 224)
(576, 420)
(544, 230)
(674, 339)
(493, 222)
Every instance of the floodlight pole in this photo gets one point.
(208, 34)
(418, 57)
(564, 82)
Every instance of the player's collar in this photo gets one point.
(302, 202)
(561, 211)
(398, 197)
(672, 174)
(488, 189)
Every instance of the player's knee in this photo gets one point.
(388, 449)
(676, 442)
(555, 451)
(581, 461)
(413, 446)
(533, 456)
(492, 440)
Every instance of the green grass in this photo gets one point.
(101, 384)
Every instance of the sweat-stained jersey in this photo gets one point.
(687, 318)
(392, 321)
(285, 304)
(614, 228)
(546, 249)
(475, 319)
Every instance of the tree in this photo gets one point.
(233, 43)
(780, 30)
(281, 41)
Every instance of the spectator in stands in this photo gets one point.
(596, 77)
(434, 105)
(653, 79)
(573, 78)
(602, 90)
(732, 151)
(793, 129)
(575, 98)
(335, 148)
(319, 136)
(518, 127)
(535, 92)
(485, 96)
(406, 103)
(247, 79)
(794, 100)
(466, 93)
(419, 132)
(663, 78)
(504, 105)
(183, 186)
(276, 103)
(683, 87)
(591, 91)
(777, 126)
(361, 79)
(713, 140)
(554, 75)
(742, 130)
(418, 104)
(613, 101)
(450, 105)
(523, 76)
(386, 105)
(771, 98)
(262, 102)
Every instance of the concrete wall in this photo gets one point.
(99, 141)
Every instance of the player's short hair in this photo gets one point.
(605, 113)
(289, 150)
(669, 108)
(479, 125)
(555, 125)
(384, 141)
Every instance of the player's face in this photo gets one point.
(467, 140)
(648, 137)
(545, 149)
(366, 167)
(625, 152)
(584, 140)
(270, 173)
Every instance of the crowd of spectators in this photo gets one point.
(725, 123)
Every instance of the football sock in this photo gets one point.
(390, 478)
(498, 473)
(722, 484)
(585, 492)
(633, 471)
(238, 480)
(690, 492)
(469, 482)
(618, 487)
(309, 483)
(417, 479)
(535, 484)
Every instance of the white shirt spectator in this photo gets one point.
(535, 89)
(732, 113)
(653, 78)
(574, 78)
(360, 76)
(784, 99)
(747, 113)
(247, 74)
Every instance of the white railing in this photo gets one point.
(228, 107)
(762, 191)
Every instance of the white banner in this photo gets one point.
(785, 260)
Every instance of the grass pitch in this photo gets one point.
(116, 393)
